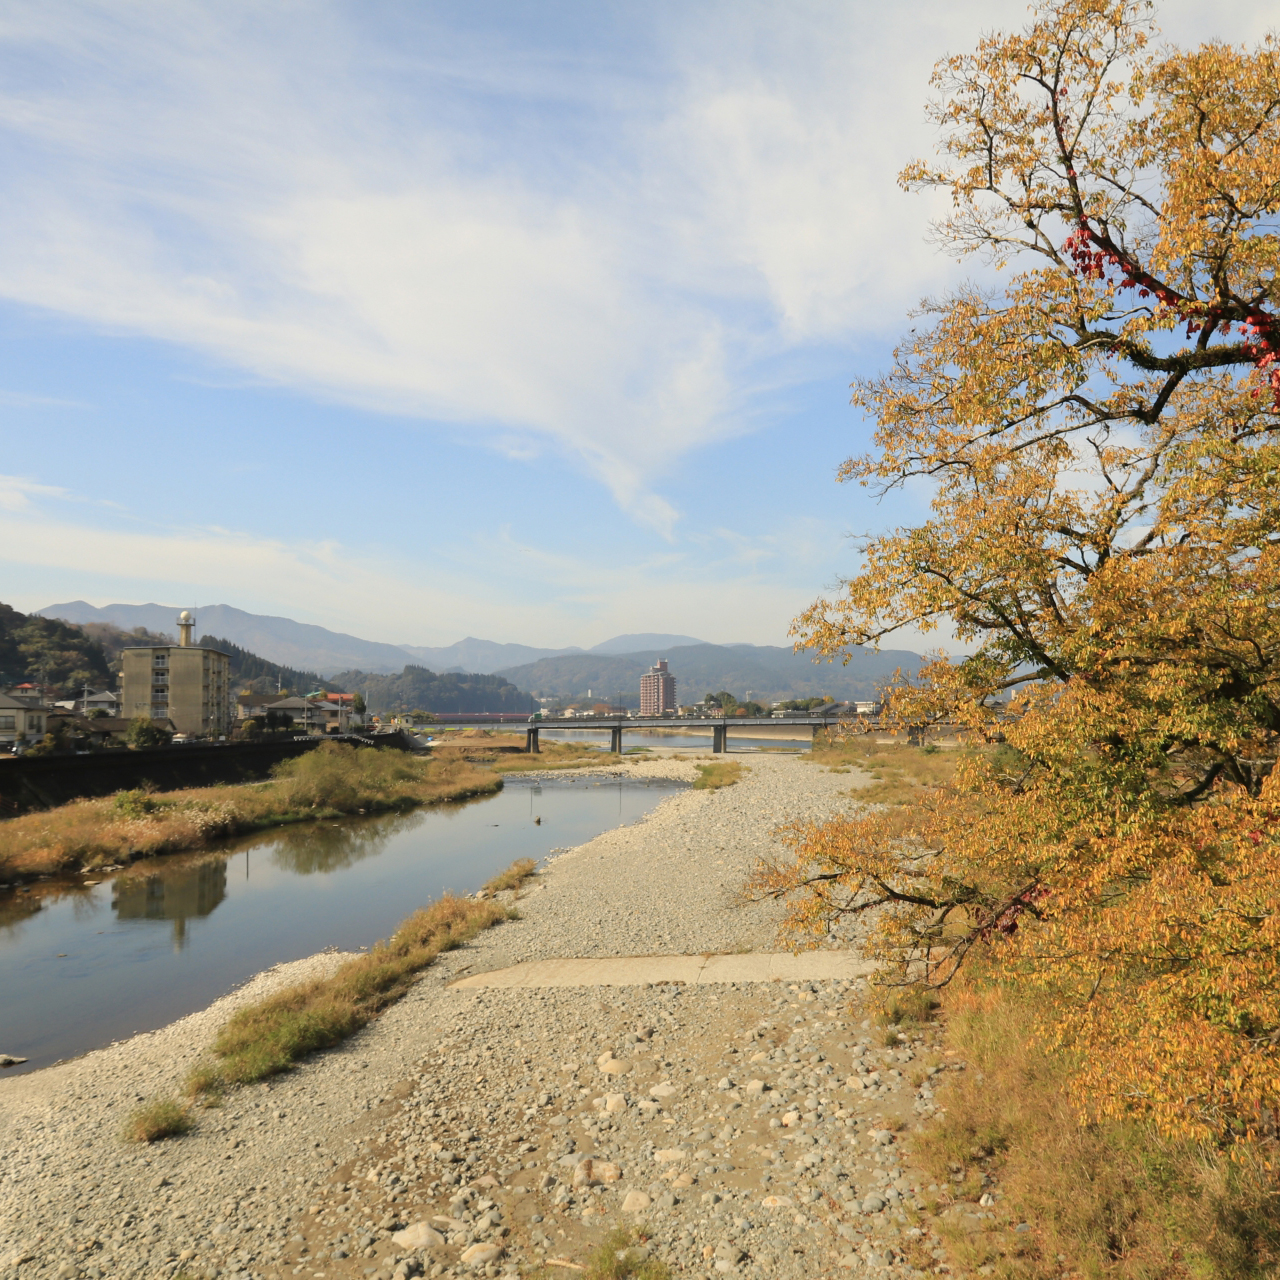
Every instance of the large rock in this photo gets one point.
(480, 1255)
(635, 1202)
(418, 1236)
(664, 1090)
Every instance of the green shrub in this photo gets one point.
(160, 1118)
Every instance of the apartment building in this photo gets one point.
(183, 683)
(658, 691)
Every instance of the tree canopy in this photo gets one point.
(1100, 439)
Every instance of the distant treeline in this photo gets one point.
(262, 676)
(417, 689)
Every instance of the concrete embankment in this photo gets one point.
(752, 1126)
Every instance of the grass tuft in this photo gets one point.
(619, 1256)
(160, 1118)
(270, 1037)
(909, 1006)
(723, 773)
(513, 877)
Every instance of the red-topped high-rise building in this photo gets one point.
(657, 690)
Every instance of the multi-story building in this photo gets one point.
(179, 682)
(657, 690)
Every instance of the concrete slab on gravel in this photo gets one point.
(634, 971)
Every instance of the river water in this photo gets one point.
(83, 966)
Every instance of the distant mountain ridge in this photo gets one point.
(300, 645)
(769, 671)
(480, 656)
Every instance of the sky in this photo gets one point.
(526, 320)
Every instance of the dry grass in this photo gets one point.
(906, 1007)
(557, 755)
(1111, 1200)
(898, 772)
(723, 773)
(268, 1038)
(160, 1118)
(332, 780)
(513, 877)
(619, 1256)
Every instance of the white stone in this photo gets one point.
(664, 1090)
(635, 1202)
(418, 1236)
(755, 1088)
(480, 1255)
(667, 1154)
(614, 1102)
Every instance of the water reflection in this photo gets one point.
(178, 894)
(82, 963)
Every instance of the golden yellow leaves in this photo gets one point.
(1105, 483)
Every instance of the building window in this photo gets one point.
(8, 722)
(35, 724)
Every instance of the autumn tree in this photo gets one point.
(1101, 436)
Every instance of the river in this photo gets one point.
(82, 966)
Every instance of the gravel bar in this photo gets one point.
(752, 1129)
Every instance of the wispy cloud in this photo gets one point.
(428, 211)
(317, 202)
(536, 596)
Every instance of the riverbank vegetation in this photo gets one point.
(1115, 1197)
(268, 1038)
(332, 780)
(900, 774)
(557, 755)
(720, 773)
(1100, 436)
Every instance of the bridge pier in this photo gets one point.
(719, 738)
(531, 740)
(615, 740)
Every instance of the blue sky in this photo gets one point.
(532, 321)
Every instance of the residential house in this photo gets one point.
(21, 720)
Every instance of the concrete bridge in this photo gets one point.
(618, 725)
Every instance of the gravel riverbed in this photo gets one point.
(748, 1129)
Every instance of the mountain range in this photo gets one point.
(768, 671)
(304, 645)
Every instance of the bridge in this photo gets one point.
(617, 725)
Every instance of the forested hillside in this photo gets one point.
(46, 651)
(257, 675)
(417, 689)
